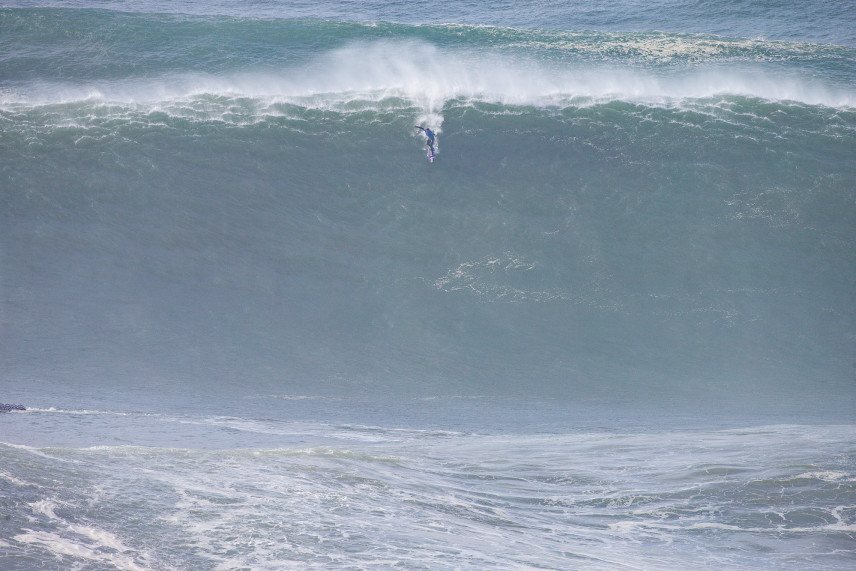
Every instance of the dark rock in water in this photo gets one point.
(10, 407)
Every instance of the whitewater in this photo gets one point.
(250, 326)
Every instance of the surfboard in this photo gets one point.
(430, 157)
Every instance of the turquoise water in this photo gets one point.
(612, 325)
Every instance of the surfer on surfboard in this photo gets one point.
(430, 134)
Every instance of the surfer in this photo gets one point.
(430, 134)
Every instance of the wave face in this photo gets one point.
(218, 200)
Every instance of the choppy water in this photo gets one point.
(611, 326)
(336, 497)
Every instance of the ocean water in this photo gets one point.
(612, 326)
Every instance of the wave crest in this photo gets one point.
(419, 75)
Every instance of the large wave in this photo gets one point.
(606, 206)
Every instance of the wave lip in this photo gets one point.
(419, 74)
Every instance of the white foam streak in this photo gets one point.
(79, 541)
(97, 552)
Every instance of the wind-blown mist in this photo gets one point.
(420, 73)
